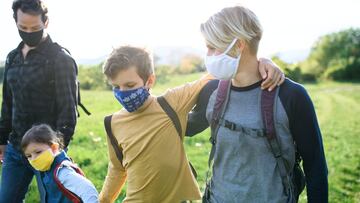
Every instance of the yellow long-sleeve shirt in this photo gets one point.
(154, 164)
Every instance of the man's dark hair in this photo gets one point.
(33, 7)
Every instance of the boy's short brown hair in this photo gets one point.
(125, 57)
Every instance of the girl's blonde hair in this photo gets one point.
(230, 23)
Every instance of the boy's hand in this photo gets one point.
(271, 74)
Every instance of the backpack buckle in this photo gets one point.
(212, 140)
(216, 121)
(275, 148)
(230, 125)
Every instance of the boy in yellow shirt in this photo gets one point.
(154, 160)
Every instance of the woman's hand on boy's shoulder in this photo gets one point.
(271, 74)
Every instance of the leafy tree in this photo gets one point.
(162, 73)
(293, 71)
(337, 56)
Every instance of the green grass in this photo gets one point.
(337, 106)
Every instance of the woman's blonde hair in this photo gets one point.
(230, 23)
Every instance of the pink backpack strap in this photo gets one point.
(268, 109)
(222, 97)
(70, 195)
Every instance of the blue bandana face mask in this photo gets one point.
(132, 100)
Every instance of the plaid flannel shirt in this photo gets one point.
(38, 89)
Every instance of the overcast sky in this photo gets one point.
(91, 28)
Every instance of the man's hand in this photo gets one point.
(2, 152)
(270, 73)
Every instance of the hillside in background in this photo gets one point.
(164, 55)
(171, 55)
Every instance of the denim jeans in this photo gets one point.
(16, 176)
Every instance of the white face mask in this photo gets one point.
(222, 66)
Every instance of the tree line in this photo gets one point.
(335, 56)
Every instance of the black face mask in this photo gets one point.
(31, 38)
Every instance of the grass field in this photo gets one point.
(337, 106)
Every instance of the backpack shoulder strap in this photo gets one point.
(113, 141)
(70, 195)
(222, 98)
(268, 107)
(53, 51)
(9, 60)
(78, 83)
(171, 113)
(175, 120)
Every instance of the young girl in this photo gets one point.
(62, 180)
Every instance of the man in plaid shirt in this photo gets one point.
(39, 87)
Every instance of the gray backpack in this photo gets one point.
(293, 183)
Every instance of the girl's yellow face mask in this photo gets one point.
(43, 161)
(41, 156)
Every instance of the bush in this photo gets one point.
(294, 71)
(350, 72)
(162, 73)
(294, 74)
(190, 64)
(308, 77)
(91, 77)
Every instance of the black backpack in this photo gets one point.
(167, 109)
(51, 55)
(294, 183)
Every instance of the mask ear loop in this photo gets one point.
(238, 58)
(230, 46)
